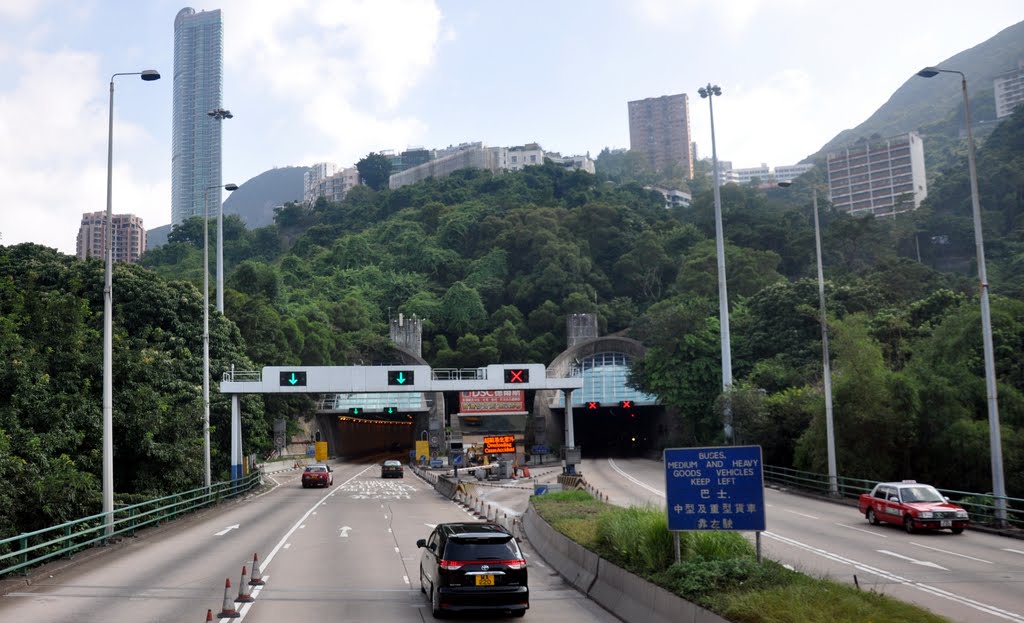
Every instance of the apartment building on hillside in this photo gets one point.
(1009, 90)
(659, 128)
(129, 237)
(882, 178)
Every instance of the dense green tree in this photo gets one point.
(374, 170)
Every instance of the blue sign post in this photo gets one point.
(709, 489)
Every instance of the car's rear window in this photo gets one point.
(316, 468)
(481, 549)
(392, 464)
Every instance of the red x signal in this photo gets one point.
(626, 404)
(593, 405)
(517, 375)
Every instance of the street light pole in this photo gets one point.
(723, 296)
(108, 309)
(220, 114)
(207, 479)
(833, 472)
(995, 441)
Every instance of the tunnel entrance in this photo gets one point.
(616, 431)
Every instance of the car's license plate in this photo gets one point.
(485, 580)
(946, 523)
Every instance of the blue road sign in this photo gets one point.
(457, 459)
(714, 488)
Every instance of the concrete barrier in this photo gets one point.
(624, 594)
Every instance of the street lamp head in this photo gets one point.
(785, 184)
(928, 72)
(230, 187)
(149, 75)
(220, 113)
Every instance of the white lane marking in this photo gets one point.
(801, 514)
(302, 526)
(344, 531)
(871, 532)
(226, 530)
(295, 527)
(1015, 551)
(430, 525)
(287, 545)
(405, 579)
(244, 609)
(314, 512)
(389, 530)
(944, 551)
(923, 563)
(931, 590)
(397, 550)
(270, 490)
(634, 480)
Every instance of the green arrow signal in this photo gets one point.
(293, 380)
(391, 410)
(401, 378)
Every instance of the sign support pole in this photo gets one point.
(757, 539)
(679, 555)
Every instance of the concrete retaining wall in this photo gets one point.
(624, 594)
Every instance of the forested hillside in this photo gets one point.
(493, 263)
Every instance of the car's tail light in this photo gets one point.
(517, 564)
(453, 565)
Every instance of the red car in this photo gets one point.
(913, 505)
(317, 476)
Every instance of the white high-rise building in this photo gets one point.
(198, 90)
(1009, 91)
(881, 177)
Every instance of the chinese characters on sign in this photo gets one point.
(500, 444)
(491, 401)
(714, 488)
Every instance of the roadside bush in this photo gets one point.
(636, 538)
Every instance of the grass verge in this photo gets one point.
(718, 570)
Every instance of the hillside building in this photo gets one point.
(659, 128)
(882, 178)
(129, 237)
(324, 179)
(1009, 90)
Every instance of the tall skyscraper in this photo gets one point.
(659, 128)
(198, 89)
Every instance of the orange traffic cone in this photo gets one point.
(257, 575)
(228, 610)
(244, 592)
(209, 615)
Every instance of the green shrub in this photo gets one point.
(636, 538)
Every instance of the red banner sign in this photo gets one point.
(498, 401)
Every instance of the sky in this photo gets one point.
(311, 81)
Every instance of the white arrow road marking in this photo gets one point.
(987, 562)
(1015, 551)
(226, 530)
(924, 563)
(344, 531)
(430, 525)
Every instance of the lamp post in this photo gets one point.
(723, 296)
(206, 330)
(833, 479)
(996, 449)
(108, 306)
(220, 114)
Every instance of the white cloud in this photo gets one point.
(50, 136)
(342, 66)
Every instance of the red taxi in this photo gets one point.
(913, 505)
(317, 476)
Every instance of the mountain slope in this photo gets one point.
(920, 102)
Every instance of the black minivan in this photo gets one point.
(473, 566)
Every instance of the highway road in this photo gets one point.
(345, 554)
(349, 554)
(974, 577)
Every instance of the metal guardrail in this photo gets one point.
(981, 506)
(243, 376)
(27, 550)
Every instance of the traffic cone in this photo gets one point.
(209, 615)
(257, 575)
(228, 610)
(244, 595)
